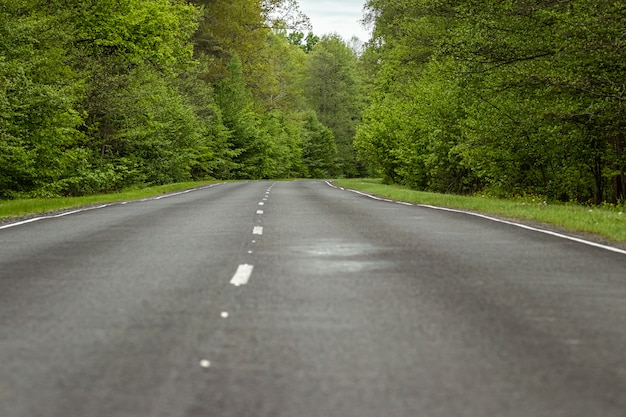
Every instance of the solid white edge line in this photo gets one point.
(493, 219)
(173, 194)
(6, 226)
(242, 275)
(55, 216)
(183, 192)
(534, 229)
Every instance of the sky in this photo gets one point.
(336, 16)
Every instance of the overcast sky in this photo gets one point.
(339, 16)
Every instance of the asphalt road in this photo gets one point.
(296, 299)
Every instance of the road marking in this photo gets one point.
(258, 230)
(173, 194)
(373, 197)
(261, 203)
(205, 363)
(242, 276)
(534, 229)
(81, 210)
(55, 216)
(23, 222)
(259, 212)
(224, 314)
(493, 219)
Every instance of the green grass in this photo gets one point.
(26, 207)
(608, 222)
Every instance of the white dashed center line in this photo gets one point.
(258, 230)
(242, 276)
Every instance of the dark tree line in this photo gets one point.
(99, 95)
(509, 97)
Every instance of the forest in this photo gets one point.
(506, 98)
(101, 95)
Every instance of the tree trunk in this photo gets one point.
(598, 189)
(619, 187)
(619, 180)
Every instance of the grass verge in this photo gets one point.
(32, 206)
(608, 222)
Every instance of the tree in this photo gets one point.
(285, 15)
(559, 60)
(101, 95)
(332, 90)
(38, 95)
(228, 29)
(395, 134)
(510, 97)
(212, 156)
(283, 156)
(319, 148)
(245, 138)
(305, 43)
(130, 55)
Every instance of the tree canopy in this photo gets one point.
(100, 95)
(500, 97)
(507, 97)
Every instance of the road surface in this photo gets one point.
(297, 299)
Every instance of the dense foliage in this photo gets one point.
(508, 97)
(99, 95)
